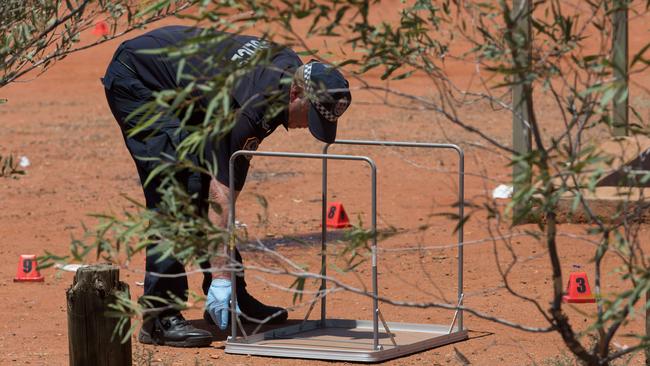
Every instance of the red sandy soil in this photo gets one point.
(79, 165)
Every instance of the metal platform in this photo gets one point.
(348, 340)
(344, 340)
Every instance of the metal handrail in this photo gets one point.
(461, 208)
(231, 214)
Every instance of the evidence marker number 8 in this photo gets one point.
(27, 265)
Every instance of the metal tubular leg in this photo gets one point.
(375, 289)
(461, 217)
(323, 246)
(453, 321)
(234, 317)
(387, 329)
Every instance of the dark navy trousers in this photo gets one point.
(126, 93)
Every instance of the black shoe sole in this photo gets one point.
(145, 338)
(279, 319)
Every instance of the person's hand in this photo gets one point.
(218, 302)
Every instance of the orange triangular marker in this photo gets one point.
(101, 28)
(336, 216)
(28, 269)
(578, 290)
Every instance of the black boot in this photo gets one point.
(254, 311)
(175, 331)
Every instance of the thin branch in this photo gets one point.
(56, 55)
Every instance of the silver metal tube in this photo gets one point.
(323, 242)
(231, 248)
(397, 143)
(461, 215)
(375, 288)
(461, 194)
(325, 157)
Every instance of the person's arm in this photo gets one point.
(219, 194)
(242, 137)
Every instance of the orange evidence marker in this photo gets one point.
(28, 269)
(101, 28)
(578, 290)
(336, 216)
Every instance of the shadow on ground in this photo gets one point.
(222, 335)
(307, 239)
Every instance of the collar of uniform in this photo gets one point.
(281, 100)
(283, 117)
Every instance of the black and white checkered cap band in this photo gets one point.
(309, 90)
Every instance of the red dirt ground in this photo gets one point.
(61, 122)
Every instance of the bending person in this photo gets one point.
(283, 92)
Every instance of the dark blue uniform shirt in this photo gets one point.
(261, 95)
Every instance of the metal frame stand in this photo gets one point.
(338, 339)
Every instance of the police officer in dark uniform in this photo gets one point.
(282, 92)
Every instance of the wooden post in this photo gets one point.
(89, 329)
(521, 133)
(620, 116)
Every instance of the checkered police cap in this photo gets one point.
(329, 95)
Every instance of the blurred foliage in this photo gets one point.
(9, 167)
(36, 33)
(566, 58)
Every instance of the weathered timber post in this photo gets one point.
(89, 329)
(620, 45)
(521, 108)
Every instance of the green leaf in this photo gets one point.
(153, 8)
(299, 286)
(608, 95)
(404, 75)
(575, 202)
(141, 126)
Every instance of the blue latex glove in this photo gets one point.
(218, 302)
